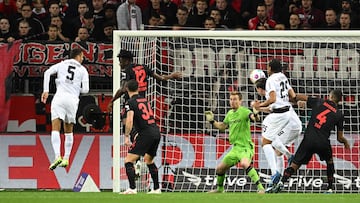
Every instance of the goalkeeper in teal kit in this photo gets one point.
(237, 120)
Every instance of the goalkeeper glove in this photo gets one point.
(256, 112)
(209, 116)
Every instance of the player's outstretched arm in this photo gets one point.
(117, 95)
(210, 118)
(342, 139)
(175, 75)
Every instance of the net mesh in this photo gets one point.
(212, 67)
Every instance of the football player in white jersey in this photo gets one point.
(282, 125)
(72, 79)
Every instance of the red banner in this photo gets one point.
(8, 52)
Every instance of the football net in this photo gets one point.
(214, 63)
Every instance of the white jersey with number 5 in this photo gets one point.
(72, 79)
(70, 76)
(279, 83)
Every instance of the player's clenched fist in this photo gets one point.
(209, 116)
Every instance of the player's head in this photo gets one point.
(77, 54)
(260, 86)
(274, 66)
(132, 86)
(125, 58)
(235, 99)
(335, 95)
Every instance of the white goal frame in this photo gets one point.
(243, 34)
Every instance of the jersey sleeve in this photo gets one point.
(148, 71)
(85, 82)
(313, 102)
(340, 124)
(50, 71)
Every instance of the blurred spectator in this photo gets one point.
(162, 20)
(23, 30)
(83, 35)
(190, 5)
(331, 22)
(64, 6)
(197, 18)
(109, 27)
(110, 13)
(294, 22)
(229, 17)
(153, 21)
(209, 23)
(345, 21)
(5, 34)
(14, 16)
(63, 30)
(129, 16)
(182, 16)
(279, 27)
(39, 10)
(346, 6)
(7, 7)
(288, 9)
(54, 10)
(215, 13)
(170, 11)
(98, 12)
(95, 31)
(310, 15)
(273, 11)
(324, 4)
(261, 21)
(37, 27)
(78, 21)
(52, 33)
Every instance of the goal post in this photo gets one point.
(213, 64)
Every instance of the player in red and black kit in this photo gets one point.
(139, 114)
(141, 74)
(324, 118)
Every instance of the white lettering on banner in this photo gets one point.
(6, 161)
(230, 181)
(302, 181)
(312, 63)
(26, 126)
(25, 160)
(357, 182)
(67, 179)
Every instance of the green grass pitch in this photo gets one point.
(184, 197)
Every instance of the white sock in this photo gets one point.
(280, 164)
(56, 142)
(277, 144)
(69, 140)
(270, 157)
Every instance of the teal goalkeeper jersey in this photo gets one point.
(239, 127)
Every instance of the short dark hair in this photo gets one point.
(236, 93)
(125, 54)
(132, 85)
(88, 15)
(75, 52)
(337, 95)
(260, 83)
(275, 65)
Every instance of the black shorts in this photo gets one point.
(146, 143)
(310, 145)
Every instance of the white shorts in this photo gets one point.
(292, 130)
(64, 108)
(274, 124)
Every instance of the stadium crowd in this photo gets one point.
(94, 20)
